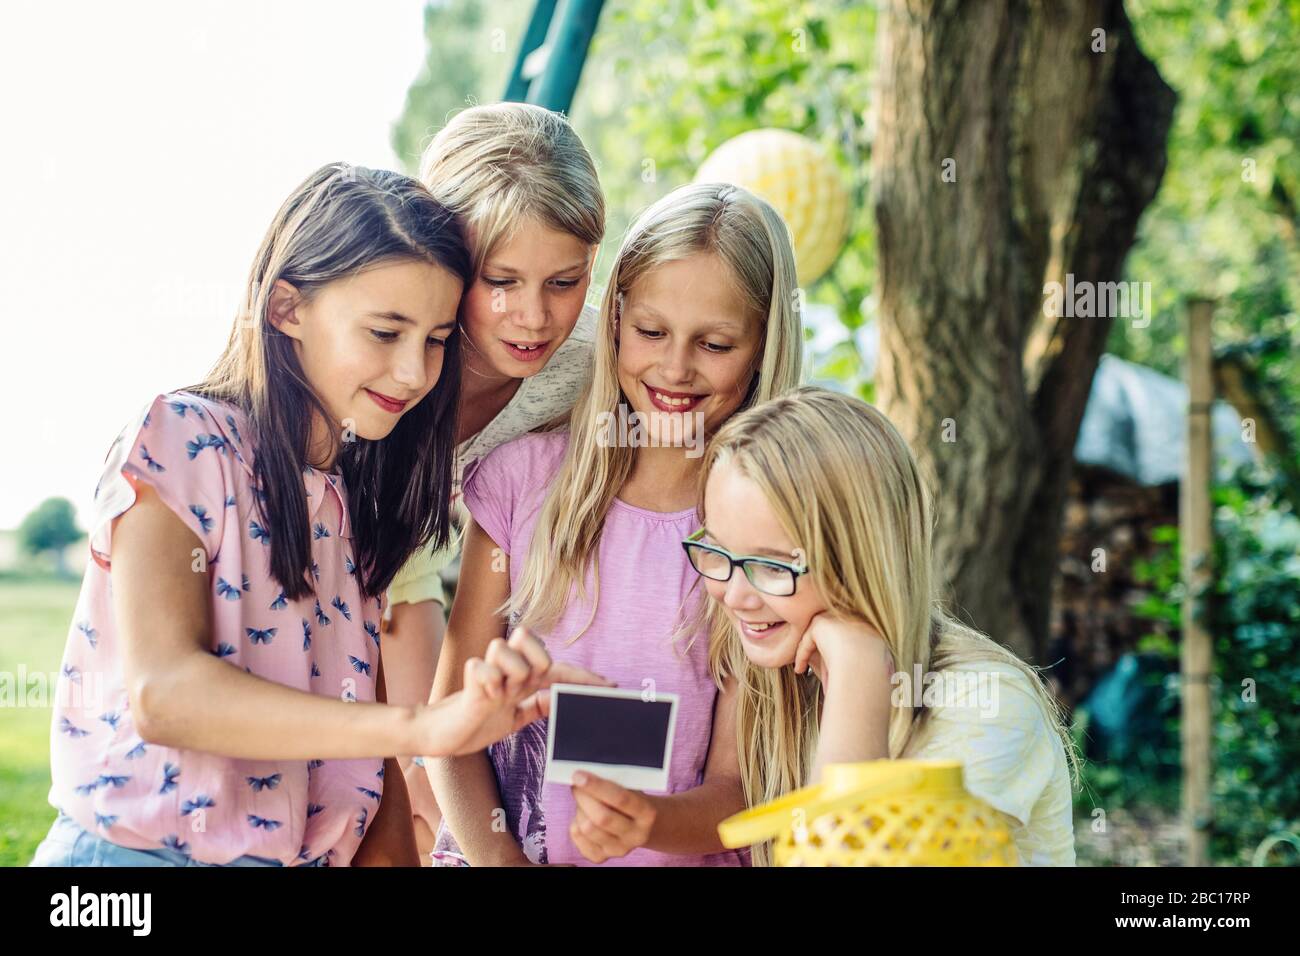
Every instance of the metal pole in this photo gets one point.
(566, 53)
(538, 26)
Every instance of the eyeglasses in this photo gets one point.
(777, 578)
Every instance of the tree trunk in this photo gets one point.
(1008, 153)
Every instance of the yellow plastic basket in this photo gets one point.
(880, 813)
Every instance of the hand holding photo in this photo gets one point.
(614, 734)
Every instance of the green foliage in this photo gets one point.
(50, 527)
(1257, 636)
(1162, 574)
(1226, 222)
(1255, 620)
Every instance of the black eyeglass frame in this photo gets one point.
(693, 544)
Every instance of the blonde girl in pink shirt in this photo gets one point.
(221, 700)
(577, 533)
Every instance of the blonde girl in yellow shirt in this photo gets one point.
(818, 503)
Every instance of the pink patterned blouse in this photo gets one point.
(197, 455)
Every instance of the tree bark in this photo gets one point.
(1008, 153)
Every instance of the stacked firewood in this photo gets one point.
(1107, 530)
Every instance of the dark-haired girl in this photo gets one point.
(221, 696)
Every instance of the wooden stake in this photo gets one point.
(1195, 536)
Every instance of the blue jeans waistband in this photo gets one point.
(70, 844)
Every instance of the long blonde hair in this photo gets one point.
(497, 164)
(846, 488)
(750, 237)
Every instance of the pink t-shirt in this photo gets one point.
(197, 455)
(645, 579)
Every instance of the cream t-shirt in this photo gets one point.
(987, 717)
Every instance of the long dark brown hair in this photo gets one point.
(340, 220)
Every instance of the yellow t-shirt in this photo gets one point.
(986, 716)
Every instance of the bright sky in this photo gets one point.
(146, 147)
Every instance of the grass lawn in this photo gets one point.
(34, 617)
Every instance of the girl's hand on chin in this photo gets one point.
(830, 643)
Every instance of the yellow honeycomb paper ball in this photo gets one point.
(801, 182)
(878, 813)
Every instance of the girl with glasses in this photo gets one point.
(833, 629)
